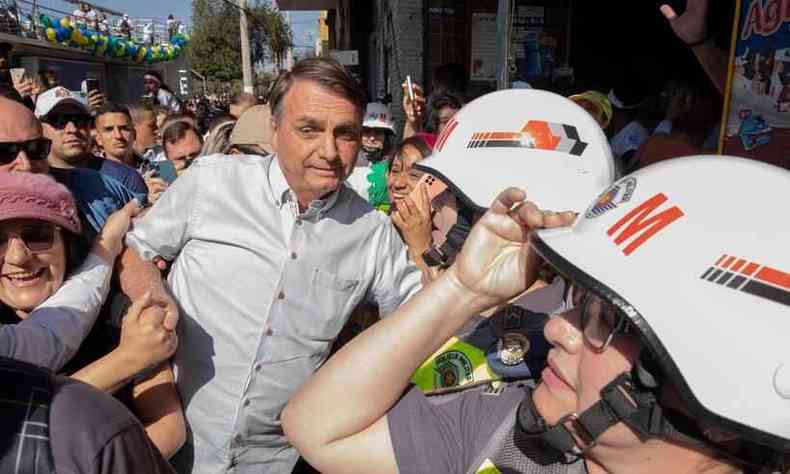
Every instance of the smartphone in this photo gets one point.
(17, 75)
(91, 85)
(410, 88)
(435, 187)
(166, 170)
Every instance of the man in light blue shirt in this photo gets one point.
(270, 256)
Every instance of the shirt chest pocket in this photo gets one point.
(332, 299)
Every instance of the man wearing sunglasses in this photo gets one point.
(23, 148)
(67, 123)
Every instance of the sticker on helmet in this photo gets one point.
(642, 224)
(536, 134)
(750, 277)
(618, 194)
(448, 130)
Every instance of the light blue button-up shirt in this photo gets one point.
(263, 291)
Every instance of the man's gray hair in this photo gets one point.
(324, 71)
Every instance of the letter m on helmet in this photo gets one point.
(641, 224)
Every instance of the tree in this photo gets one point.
(215, 48)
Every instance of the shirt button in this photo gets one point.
(298, 221)
(281, 295)
(238, 438)
(258, 367)
(293, 255)
(247, 402)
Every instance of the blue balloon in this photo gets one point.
(62, 34)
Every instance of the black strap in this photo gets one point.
(620, 401)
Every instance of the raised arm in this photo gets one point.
(365, 379)
(144, 343)
(158, 406)
(54, 331)
(692, 28)
(161, 232)
(414, 112)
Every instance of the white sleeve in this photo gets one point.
(162, 231)
(53, 332)
(397, 278)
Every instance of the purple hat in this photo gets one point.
(37, 196)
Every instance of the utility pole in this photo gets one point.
(246, 62)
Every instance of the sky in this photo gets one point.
(303, 23)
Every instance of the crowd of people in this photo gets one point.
(515, 282)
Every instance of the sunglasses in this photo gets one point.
(36, 149)
(601, 321)
(36, 238)
(59, 122)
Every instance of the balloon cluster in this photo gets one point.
(65, 32)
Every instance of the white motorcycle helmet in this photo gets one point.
(536, 140)
(691, 254)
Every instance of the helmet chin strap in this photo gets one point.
(621, 400)
(443, 255)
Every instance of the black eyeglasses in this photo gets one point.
(36, 149)
(60, 121)
(600, 319)
(36, 238)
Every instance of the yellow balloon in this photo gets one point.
(51, 35)
(65, 23)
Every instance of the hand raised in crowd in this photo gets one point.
(413, 220)
(144, 336)
(109, 242)
(95, 100)
(414, 111)
(26, 87)
(497, 262)
(691, 26)
(156, 186)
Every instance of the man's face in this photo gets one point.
(151, 85)
(373, 138)
(146, 132)
(183, 151)
(69, 129)
(115, 135)
(23, 127)
(444, 116)
(317, 138)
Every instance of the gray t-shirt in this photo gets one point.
(469, 432)
(91, 432)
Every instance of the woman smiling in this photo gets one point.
(41, 245)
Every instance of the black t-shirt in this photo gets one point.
(469, 432)
(91, 432)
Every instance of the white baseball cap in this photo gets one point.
(378, 115)
(55, 97)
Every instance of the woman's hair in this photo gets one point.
(417, 143)
(218, 140)
(77, 248)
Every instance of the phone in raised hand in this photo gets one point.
(17, 75)
(434, 186)
(410, 88)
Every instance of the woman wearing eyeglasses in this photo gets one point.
(671, 358)
(48, 265)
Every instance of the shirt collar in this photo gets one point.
(282, 194)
